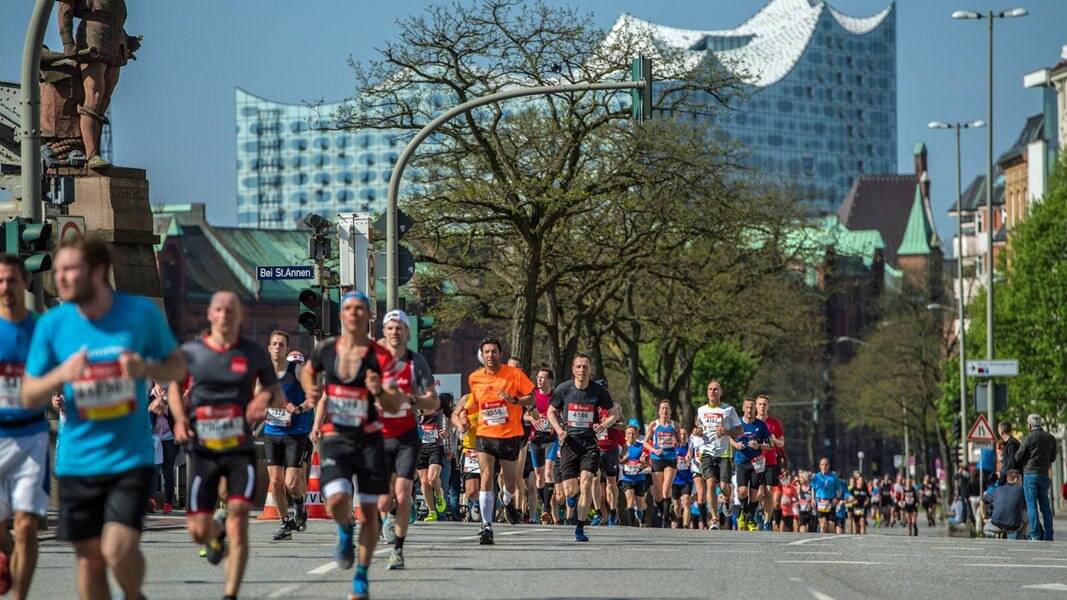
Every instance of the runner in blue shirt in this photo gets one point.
(99, 348)
(632, 483)
(23, 436)
(682, 488)
(661, 443)
(750, 461)
(828, 491)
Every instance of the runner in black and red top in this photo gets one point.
(609, 440)
(770, 488)
(223, 371)
(359, 375)
(542, 442)
(400, 432)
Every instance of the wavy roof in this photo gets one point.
(780, 32)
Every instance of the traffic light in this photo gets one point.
(310, 310)
(421, 339)
(957, 429)
(641, 100)
(30, 242)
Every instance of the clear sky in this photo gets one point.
(173, 112)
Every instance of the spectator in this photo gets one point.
(1010, 445)
(1007, 513)
(959, 513)
(1035, 455)
(963, 489)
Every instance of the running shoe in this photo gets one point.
(752, 526)
(215, 549)
(431, 516)
(485, 536)
(439, 504)
(546, 518)
(388, 528)
(597, 520)
(613, 520)
(285, 532)
(5, 574)
(360, 589)
(742, 522)
(167, 508)
(343, 550)
(714, 525)
(475, 513)
(514, 517)
(579, 534)
(300, 520)
(396, 560)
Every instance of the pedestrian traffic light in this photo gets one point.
(421, 338)
(310, 310)
(29, 241)
(957, 430)
(641, 100)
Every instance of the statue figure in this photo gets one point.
(77, 85)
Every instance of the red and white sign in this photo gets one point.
(69, 227)
(980, 431)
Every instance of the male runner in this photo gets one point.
(434, 430)
(748, 458)
(359, 375)
(98, 349)
(609, 440)
(224, 369)
(286, 444)
(828, 491)
(498, 393)
(770, 489)
(23, 437)
(575, 415)
(400, 432)
(719, 422)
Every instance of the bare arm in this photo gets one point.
(553, 418)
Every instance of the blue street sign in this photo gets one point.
(300, 272)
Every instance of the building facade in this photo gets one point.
(823, 108)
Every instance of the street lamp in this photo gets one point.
(990, 16)
(959, 273)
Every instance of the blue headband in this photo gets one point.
(358, 295)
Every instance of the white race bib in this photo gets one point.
(11, 386)
(666, 440)
(430, 433)
(220, 427)
(684, 464)
(348, 406)
(579, 415)
(279, 417)
(405, 410)
(470, 462)
(494, 412)
(632, 469)
(759, 463)
(103, 393)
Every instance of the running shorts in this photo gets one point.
(431, 454)
(402, 453)
(640, 488)
(717, 468)
(658, 466)
(609, 463)
(205, 470)
(501, 448)
(86, 503)
(345, 456)
(289, 451)
(747, 476)
(24, 471)
(577, 454)
(681, 489)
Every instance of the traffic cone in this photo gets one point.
(314, 501)
(270, 510)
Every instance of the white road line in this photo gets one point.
(284, 591)
(796, 553)
(819, 595)
(1052, 587)
(834, 562)
(516, 532)
(809, 540)
(1015, 566)
(324, 569)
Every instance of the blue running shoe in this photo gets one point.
(597, 520)
(579, 534)
(343, 550)
(360, 587)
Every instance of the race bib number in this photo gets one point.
(804, 506)
(430, 433)
(711, 421)
(666, 440)
(279, 417)
(632, 469)
(347, 405)
(11, 386)
(494, 412)
(470, 462)
(603, 435)
(909, 499)
(684, 464)
(579, 415)
(103, 393)
(405, 410)
(542, 425)
(824, 505)
(759, 464)
(220, 427)
(859, 512)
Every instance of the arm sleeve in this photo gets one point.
(732, 420)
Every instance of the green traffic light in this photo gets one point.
(38, 263)
(35, 236)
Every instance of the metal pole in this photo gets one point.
(30, 128)
(907, 443)
(989, 229)
(962, 304)
(392, 238)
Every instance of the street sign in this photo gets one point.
(405, 264)
(992, 368)
(403, 224)
(980, 431)
(69, 227)
(298, 272)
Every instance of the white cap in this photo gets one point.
(295, 356)
(397, 315)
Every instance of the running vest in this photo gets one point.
(350, 406)
(631, 463)
(410, 378)
(16, 421)
(664, 438)
(279, 420)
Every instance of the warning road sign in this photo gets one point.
(980, 431)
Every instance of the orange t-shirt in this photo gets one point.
(498, 418)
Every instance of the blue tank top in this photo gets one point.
(664, 438)
(16, 421)
(300, 424)
(631, 463)
(684, 475)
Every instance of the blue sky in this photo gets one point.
(173, 112)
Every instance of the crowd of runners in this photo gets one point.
(513, 450)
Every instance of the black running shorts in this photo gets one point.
(205, 470)
(86, 503)
(345, 455)
(289, 451)
(402, 453)
(577, 454)
(501, 448)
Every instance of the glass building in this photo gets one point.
(822, 111)
(823, 107)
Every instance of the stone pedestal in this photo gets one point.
(114, 203)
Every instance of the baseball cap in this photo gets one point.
(396, 315)
(295, 356)
(634, 423)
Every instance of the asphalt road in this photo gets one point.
(445, 561)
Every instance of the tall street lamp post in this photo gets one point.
(959, 276)
(990, 16)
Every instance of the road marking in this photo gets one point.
(819, 595)
(332, 565)
(836, 562)
(808, 540)
(516, 532)
(795, 553)
(1016, 566)
(796, 579)
(1053, 587)
(284, 591)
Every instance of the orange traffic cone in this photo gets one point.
(270, 509)
(314, 502)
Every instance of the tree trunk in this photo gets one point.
(524, 317)
(555, 343)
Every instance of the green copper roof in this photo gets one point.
(919, 148)
(919, 233)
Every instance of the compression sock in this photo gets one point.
(486, 502)
(703, 513)
(572, 501)
(506, 496)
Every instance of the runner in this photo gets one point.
(467, 456)
(575, 416)
(609, 441)
(98, 349)
(224, 369)
(885, 495)
(400, 432)
(24, 442)
(286, 445)
(498, 393)
(931, 497)
(542, 441)
(827, 489)
(910, 506)
(719, 422)
(634, 459)
(790, 503)
(696, 443)
(434, 429)
(359, 375)
(770, 490)
(682, 488)
(806, 504)
(661, 443)
(750, 462)
(861, 498)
